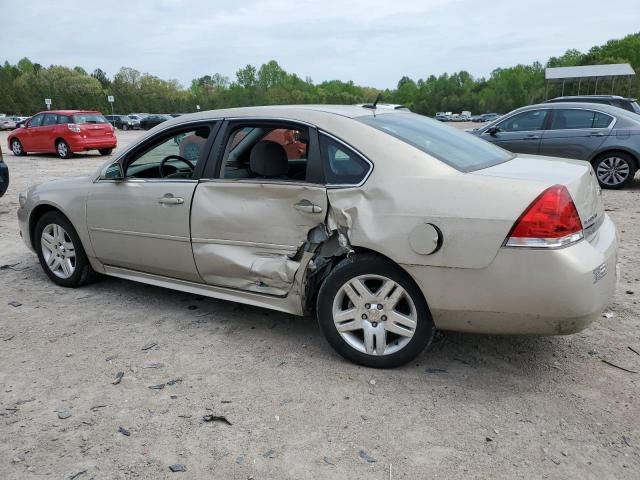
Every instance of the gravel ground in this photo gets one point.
(472, 407)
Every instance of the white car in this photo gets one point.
(386, 224)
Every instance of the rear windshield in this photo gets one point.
(461, 150)
(81, 118)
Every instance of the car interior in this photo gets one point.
(174, 157)
(266, 152)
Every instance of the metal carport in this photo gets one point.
(599, 73)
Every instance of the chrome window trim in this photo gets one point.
(147, 180)
(261, 181)
(357, 152)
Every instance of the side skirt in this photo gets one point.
(290, 304)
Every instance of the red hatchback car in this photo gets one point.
(64, 132)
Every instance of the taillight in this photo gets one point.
(73, 127)
(551, 221)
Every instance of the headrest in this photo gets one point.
(269, 159)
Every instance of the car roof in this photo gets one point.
(604, 97)
(292, 112)
(67, 112)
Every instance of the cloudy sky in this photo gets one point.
(370, 42)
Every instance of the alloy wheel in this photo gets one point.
(63, 150)
(613, 171)
(58, 251)
(16, 147)
(374, 315)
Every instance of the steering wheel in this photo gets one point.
(174, 157)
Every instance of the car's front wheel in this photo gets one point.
(17, 149)
(125, 127)
(372, 313)
(63, 150)
(614, 170)
(60, 252)
(105, 151)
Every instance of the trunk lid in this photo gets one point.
(92, 124)
(576, 175)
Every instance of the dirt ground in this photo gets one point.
(473, 406)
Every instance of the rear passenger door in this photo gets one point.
(254, 208)
(46, 135)
(575, 133)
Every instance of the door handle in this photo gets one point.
(307, 207)
(596, 134)
(532, 137)
(166, 200)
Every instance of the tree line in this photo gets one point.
(25, 85)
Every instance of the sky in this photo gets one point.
(373, 43)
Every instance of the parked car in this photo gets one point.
(64, 132)
(122, 122)
(477, 118)
(4, 175)
(388, 226)
(147, 123)
(605, 136)
(630, 104)
(20, 123)
(7, 123)
(489, 117)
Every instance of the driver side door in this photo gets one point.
(141, 222)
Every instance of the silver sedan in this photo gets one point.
(386, 224)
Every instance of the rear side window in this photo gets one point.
(81, 118)
(570, 119)
(62, 119)
(461, 150)
(342, 166)
(50, 119)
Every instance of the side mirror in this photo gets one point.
(493, 130)
(113, 171)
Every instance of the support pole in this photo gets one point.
(562, 88)
(579, 85)
(596, 91)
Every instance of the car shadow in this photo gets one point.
(471, 359)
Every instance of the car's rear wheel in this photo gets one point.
(17, 149)
(63, 150)
(60, 251)
(105, 151)
(614, 170)
(373, 313)
(125, 127)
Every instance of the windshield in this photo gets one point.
(461, 150)
(81, 118)
(635, 106)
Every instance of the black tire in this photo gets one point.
(611, 166)
(125, 127)
(371, 264)
(17, 148)
(105, 151)
(83, 272)
(63, 150)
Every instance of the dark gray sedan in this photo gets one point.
(607, 137)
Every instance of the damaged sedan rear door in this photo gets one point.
(256, 204)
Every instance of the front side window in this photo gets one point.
(174, 157)
(266, 151)
(524, 122)
(342, 166)
(50, 119)
(36, 121)
(461, 150)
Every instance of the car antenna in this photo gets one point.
(375, 103)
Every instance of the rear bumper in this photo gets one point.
(79, 144)
(526, 291)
